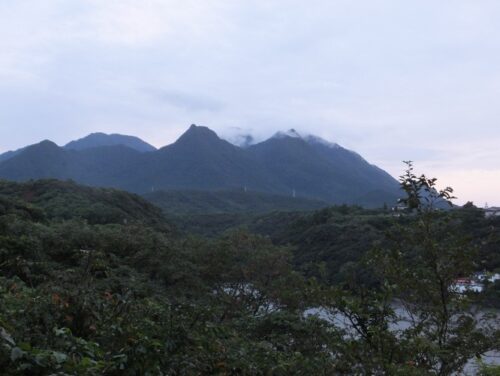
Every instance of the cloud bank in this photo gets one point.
(392, 80)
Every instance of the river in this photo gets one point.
(483, 316)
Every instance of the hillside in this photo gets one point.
(66, 200)
(334, 174)
(217, 202)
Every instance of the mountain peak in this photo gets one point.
(292, 133)
(46, 144)
(99, 139)
(198, 133)
(200, 129)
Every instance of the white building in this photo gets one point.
(492, 212)
(463, 285)
(494, 277)
(486, 277)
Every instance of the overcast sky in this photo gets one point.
(391, 79)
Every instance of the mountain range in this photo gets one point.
(94, 140)
(286, 164)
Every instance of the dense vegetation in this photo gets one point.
(329, 242)
(97, 281)
(228, 202)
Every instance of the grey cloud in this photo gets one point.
(185, 101)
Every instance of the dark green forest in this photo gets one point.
(228, 202)
(98, 281)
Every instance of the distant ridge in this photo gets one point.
(94, 140)
(286, 164)
(102, 139)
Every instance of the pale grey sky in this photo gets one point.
(391, 79)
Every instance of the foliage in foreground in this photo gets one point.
(125, 297)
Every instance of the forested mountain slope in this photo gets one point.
(190, 202)
(200, 160)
